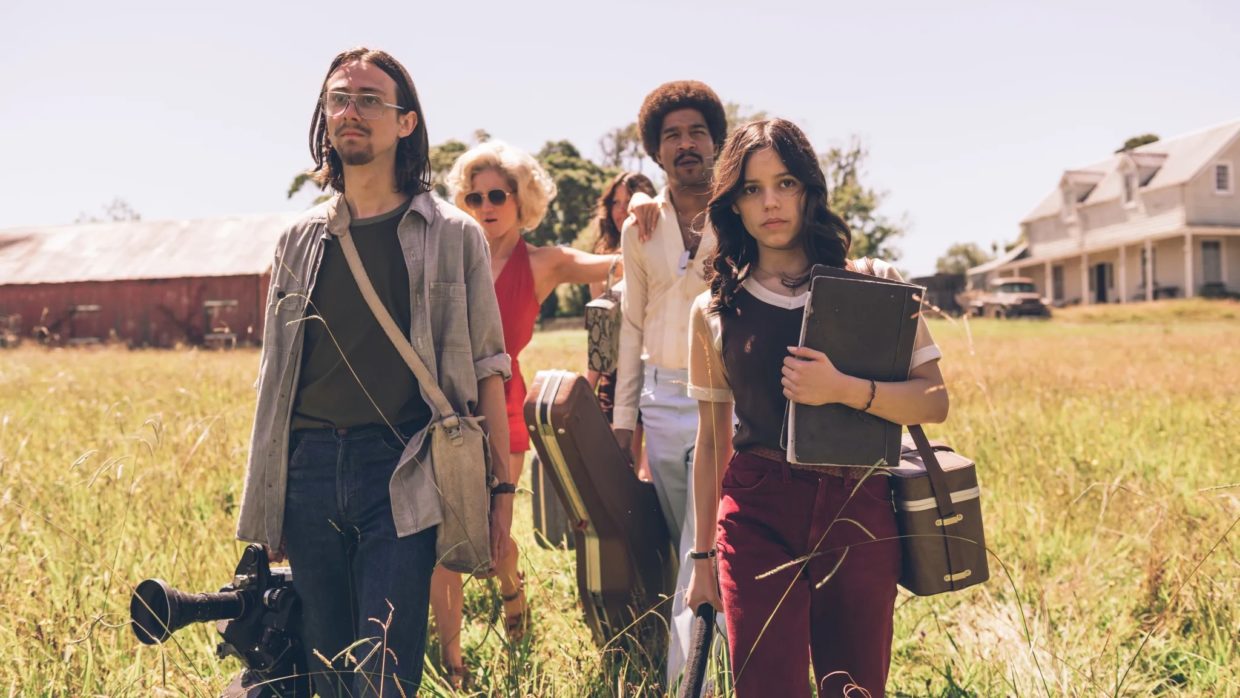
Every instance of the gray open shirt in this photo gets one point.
(455, 330)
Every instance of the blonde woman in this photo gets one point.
(508, 192)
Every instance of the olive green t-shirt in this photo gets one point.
(351, 375)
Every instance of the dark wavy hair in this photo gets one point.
(824, 234)
(413, 171)
(680, 94)
(608, 233)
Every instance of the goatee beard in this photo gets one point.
(702, 182)
(356, 158)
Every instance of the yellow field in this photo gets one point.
(1108, 444)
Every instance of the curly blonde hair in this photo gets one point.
(530, 183)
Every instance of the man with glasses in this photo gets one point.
(338, 477)
(683, 125)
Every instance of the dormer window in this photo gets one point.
(1074, 188)
(1130, 188)
(1223, 179)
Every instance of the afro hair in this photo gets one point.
(681, 94)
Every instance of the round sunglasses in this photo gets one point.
(497, 197)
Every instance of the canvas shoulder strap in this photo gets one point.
(438, 399)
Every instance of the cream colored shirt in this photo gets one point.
(658, 292)
(708, 382)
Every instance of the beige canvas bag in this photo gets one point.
(458, 448)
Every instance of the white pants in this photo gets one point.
(670, 420)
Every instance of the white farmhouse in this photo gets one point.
(1159, 221)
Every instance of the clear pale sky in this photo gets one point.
(971, 110)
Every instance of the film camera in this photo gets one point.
(258, 615)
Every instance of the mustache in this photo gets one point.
(688, 157)
(353, 127)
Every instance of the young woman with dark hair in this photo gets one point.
(613, 209)
(806, 556)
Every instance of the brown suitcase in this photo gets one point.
(939, 512)
(626, 564)
(551, 529)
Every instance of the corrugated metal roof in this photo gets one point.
(231, 246)
(1185, 156)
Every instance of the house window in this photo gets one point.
(1130, 187)
(1222, 178)
(1057, 283)
(1211, 262)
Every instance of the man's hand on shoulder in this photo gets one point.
(645, 212)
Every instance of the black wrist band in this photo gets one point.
(504, 488)
(695, 555)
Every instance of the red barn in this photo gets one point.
(156, 283)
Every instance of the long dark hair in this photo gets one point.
(824, 234)
(413, 171)
(608, 233)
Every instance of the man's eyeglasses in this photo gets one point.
(368, 106)
(497, 197)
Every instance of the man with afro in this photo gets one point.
(683, 125)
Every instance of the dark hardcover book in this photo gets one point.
(866, 325)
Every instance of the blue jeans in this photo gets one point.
(349, 565)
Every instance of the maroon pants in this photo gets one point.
(770, 515)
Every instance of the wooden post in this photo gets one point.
(1149, 270)
(1085, 298)
(1189, 283)
(1123, 274)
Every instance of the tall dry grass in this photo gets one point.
(1111, 490)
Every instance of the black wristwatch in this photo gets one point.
(504, 488)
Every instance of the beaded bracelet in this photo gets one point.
(873, 389)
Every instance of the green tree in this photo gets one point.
(117, 211)
(579, 183)
(1137, 141)
(442, 156)
(622, 149)
(873, 234)
(961, 257)
(741, 114)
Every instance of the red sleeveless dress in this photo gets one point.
(518, 310)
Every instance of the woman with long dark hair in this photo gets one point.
(613, 209)
(806, 556)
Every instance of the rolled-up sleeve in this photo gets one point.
(486, 331)
(707, 380)
(632, 330)
(924, 348)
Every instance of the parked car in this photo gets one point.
(1009, 296)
